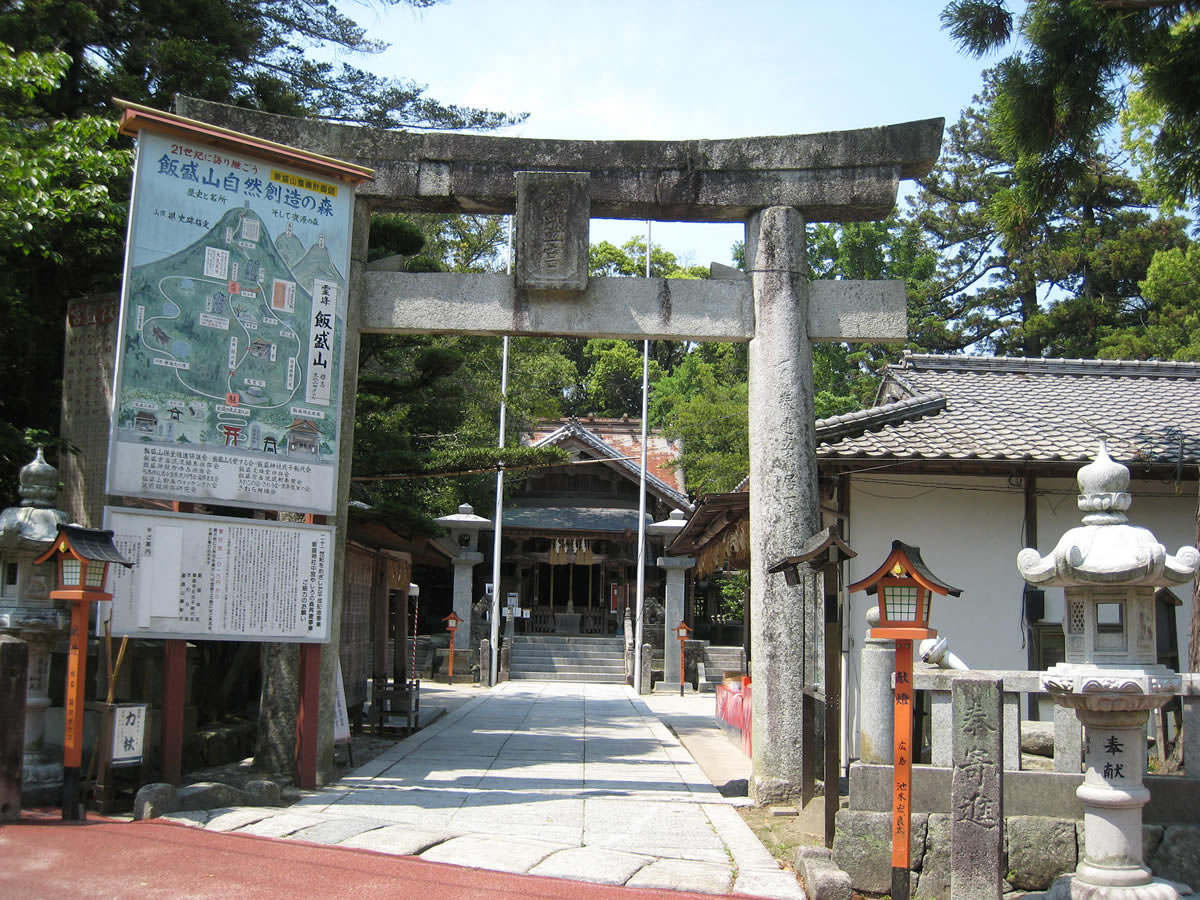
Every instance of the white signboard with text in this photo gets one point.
(219, 578)
(232, 325)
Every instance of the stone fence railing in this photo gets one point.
(1068, 737)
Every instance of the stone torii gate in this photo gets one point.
(773, 184)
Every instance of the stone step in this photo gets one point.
(568, 639)
(590, 678)
(538, 650)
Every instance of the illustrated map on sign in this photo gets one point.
(223, 345)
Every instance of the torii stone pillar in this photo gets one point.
(774, 184)
(784, 502)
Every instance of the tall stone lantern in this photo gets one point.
(28, 613)
(464, 527)
(1110, 570)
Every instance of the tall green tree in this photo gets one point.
(1066, 82)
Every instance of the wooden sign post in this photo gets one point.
(904, 584)
(683, 631)
(83, 556)
(451, 621)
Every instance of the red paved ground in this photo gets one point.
(43, 857)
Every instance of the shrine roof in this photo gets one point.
(572, 518)
(619, 442)
(1041, 412)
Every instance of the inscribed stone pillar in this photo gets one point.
(676, 567)
(976, 789)
(784, 501)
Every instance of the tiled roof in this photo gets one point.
(619, 442)
(1011, 409)
(571, 518)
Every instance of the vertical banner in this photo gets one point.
(232, 326)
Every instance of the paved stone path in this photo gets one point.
(578, 781)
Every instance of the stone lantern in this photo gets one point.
(1110, 570)
(28, 613)
(464, 527)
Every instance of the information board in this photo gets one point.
(219, 578)
(233, 319)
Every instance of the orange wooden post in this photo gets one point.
(902, 771)
(73, 728)
(682, 631)
(82, 557)
(451, 621)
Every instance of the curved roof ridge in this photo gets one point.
(941, 362)
(836, 428)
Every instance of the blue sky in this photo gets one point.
(640, 69)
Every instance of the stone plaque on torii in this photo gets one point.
(773, 184)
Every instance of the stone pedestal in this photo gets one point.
(464, 565)
(876, 704)
(676, 567)
(1113, 705)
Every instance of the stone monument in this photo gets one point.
(28, 613)
(1111, 679)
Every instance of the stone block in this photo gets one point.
(862, 847)
(154, 800)
(1177, 856)
(825, 881)
(1152, 836)
(1039, 850)
(934, 881)
(210, 795)
(1037, 738)
(553, 212)
(263, 792)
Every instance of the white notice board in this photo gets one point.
(218, 578)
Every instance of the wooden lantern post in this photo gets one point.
(83, 556)
(682, 631)
(905, 585)
(825, 552)
(451, 621)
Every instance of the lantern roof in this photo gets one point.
(465, 518)
(90, 544)
(1106, 549)
(815, 550)
(909, 559)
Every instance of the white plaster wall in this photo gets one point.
(969, 530)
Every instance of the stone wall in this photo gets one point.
(1037, 849)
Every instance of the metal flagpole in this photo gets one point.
(494, 613)
(641, 554)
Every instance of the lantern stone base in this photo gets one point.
(42, 777)
(1069, 887)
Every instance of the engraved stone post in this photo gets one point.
(783, 493)
(553, 213)
(976, 791)
(14, 662)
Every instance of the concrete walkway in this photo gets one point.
(578, 781)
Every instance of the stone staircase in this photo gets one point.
(718, 661)
(561, 657)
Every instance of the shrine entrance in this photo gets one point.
(774, 184)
